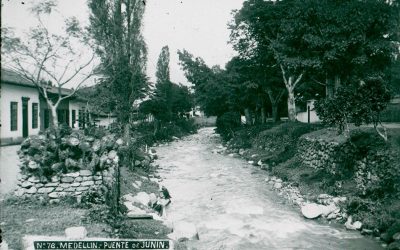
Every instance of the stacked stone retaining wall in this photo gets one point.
(337, 154)
(71, 184)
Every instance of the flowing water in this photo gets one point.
(233, 207)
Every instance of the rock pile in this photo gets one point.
(138, 206)
(65, 163)
(46, 155)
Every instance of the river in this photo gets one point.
(233, 207)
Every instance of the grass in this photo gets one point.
(52, 220)
(49, 220)
(128, 177)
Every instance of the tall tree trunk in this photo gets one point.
(248, 116)
(275, 114)
(53, 111)
(291, 83)
(291, 105)
(275, 102)
(330, 88)
(256, 116)
(337, 82)
(127, 131)
(262, 110)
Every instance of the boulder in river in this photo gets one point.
(352, 226)
(326, 210)
(183, 229)
(278, 185)
(311, 210)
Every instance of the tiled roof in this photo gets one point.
(13, 77)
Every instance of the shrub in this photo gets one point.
(357, 103)
(92, 197)
(227, 124)
(98, 213)
(365, 142)
(187, 125)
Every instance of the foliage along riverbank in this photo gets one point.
(352, 180)
(37, 214)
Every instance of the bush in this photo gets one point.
(227, 124)
(187, 125)
(365, 142)
(92, 197)
(98, 213)
(356, 103)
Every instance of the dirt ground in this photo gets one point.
(8, 168)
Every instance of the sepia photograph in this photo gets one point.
(200, 124)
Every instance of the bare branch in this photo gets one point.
(280, 95)
(298, 79)
(284, 75)
(76, 89)
(65, 70)
(316, 81)
(77, 71)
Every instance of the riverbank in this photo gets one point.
(39, 214)
(342, 194)
(232, 207)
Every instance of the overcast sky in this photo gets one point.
(199, 26)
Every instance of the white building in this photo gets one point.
(310, 115)
(24, 112)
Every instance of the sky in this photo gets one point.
(199, 26)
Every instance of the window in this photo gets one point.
(14, 116)
(73, 118)
(35, 116)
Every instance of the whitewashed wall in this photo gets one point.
(303, 117)
(13, 93)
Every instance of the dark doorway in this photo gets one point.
(25, 127)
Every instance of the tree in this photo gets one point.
(359, 102)
(212, 92)
(353, 39)
(49, 60)
(273, 32)
(335, 40)
(116, 28)
(242, 76)
(163, 85)
(169, 100)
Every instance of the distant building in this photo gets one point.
(309, 116)
(102, 119)
(24, 112)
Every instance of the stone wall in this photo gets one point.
(71, 184)
(336, 154)
(323, 153)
